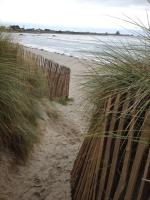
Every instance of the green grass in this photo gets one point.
(20, 91)
(120, 70)
(64, 101)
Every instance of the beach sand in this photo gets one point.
(46, 175)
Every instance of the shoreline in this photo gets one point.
(66, 32)
(60, 58)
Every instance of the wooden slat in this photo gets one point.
(79, 162)
(87, 191)
(106, 166)
(124, 172)
(100, 151)
(117, 148)
(83, 176)
(135, 169)
(94, 173)
(138, 159)
(147, 166)
(82, 171)
(107, 108)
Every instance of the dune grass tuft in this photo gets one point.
(123, 70)
(20, 90)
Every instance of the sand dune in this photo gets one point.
(46, 176)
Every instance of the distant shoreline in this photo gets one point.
(72, 33)
(75, 33)
(17, 29)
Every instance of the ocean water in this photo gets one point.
(81, 46)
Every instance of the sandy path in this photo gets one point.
(46, 175)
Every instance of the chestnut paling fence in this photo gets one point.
(58, 76)
(115, 164)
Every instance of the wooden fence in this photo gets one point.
(58, 76)
(115, 166)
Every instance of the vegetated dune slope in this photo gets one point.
(46, 174)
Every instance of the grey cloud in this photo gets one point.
(117, 2)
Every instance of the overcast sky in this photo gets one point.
(88, 14)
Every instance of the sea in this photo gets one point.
(81, 46)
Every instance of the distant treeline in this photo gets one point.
(17, 28)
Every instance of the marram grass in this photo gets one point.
(123, 70)
(20, 90)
